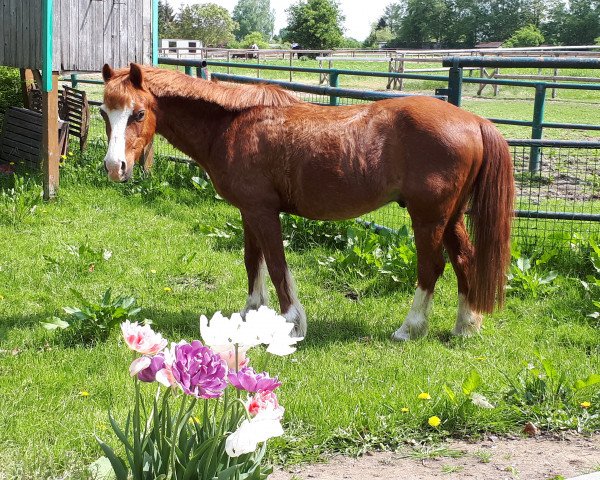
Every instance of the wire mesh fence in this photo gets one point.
(554, 204)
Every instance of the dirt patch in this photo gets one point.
(492, 458)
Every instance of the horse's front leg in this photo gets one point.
(258, 294)
(266, 227)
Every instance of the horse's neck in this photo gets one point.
(192, 126)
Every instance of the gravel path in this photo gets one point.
(547, 457)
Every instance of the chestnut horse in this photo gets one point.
(267, 152)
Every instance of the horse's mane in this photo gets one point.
(169, 83)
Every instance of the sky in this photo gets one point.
(360, 14)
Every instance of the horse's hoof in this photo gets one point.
(466, 330)
(400, 336)
(297, 316)
(468, 326)
(413, 332)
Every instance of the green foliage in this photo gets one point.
(349, 42)
(92, 322)
(254, 16)
(597, 41)
(389, 259)
(527, 36)
(449, 23)
(10, 89)
(548, 397)
(529, 277)
(592, 282)
(207, 22)
(162, 444)
(82, 258)
(315, 24)
(300, 233)
(19, 201)
(166, 20)
(253, 38)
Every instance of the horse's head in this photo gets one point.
(129, 114)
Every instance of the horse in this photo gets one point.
(267, 152)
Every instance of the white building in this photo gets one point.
(180, 48)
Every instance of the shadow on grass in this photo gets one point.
(21, 321)
(185, 324)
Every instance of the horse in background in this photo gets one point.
(267, 152)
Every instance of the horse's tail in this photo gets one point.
(491, 218)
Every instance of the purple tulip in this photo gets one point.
(148, 374)
(199, 371)
(247, 379)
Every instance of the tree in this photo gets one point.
(208, 22)
(253, 38)
(527, 36)
(166, 19)
(254, 16)
(315, 24)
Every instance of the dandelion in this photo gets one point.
(585, 404)
(152, 271)
(11, 163)
(63, 157)
(70, 154)
(168, 289)
(434, 421)
(404, 409)
(83, 393)
(424, 396)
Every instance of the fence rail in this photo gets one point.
(558, 181)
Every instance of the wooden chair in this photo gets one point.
(73, 107)
(21, 139)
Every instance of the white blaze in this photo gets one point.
(116, 143)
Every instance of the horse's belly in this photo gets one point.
(336, 205)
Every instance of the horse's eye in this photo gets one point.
(140, 115)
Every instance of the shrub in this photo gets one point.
(527, 36)
(10, 89)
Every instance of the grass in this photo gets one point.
(345, 388)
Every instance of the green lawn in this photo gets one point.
(344, 390)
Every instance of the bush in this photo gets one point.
(10, 89)
(527, 36)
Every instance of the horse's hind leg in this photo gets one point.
(255, 268)
(430, 265)
(267, 230)
(460, 251)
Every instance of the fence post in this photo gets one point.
(455, 78)
(188, 70)
(537, 128)
(74, 81)
(334, 81)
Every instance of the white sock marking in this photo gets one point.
(415, 324)
(260, 293)
(467, 321)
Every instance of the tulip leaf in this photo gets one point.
(121, 472)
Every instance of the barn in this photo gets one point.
(54, 37)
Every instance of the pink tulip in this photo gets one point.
(142, 339)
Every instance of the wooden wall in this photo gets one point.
(86, 33)
(20, 33)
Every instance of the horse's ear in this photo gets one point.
(135, 75)
(107, 72)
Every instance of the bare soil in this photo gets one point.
(546, 457)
